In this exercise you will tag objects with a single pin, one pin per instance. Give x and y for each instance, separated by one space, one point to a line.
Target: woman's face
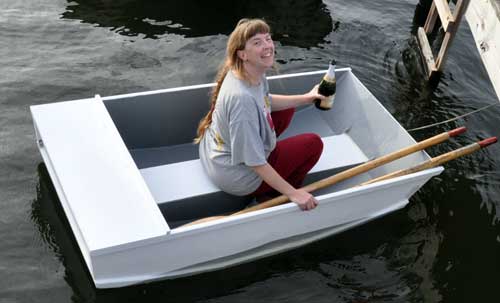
259 51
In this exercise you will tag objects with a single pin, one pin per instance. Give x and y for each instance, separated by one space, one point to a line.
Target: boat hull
137 249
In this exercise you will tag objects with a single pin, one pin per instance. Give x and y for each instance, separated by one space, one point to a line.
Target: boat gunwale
200 86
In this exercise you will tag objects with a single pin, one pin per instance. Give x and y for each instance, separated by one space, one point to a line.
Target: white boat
129 178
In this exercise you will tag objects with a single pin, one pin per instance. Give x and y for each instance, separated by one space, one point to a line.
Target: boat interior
158 129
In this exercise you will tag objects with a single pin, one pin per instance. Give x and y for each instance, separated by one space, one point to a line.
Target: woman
237 137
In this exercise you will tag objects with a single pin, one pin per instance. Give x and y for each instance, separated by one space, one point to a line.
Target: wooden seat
187 179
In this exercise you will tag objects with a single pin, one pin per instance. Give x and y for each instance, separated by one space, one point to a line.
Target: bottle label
328 102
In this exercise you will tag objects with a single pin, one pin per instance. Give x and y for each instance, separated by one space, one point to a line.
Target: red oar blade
457 131
487 142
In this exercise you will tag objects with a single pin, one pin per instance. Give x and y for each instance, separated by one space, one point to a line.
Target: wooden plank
484 21
430 22
443 9
460 9
426 52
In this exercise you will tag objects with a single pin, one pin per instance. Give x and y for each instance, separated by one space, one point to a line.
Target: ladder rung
444 12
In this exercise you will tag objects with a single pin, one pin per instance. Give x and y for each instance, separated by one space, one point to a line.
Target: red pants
293 157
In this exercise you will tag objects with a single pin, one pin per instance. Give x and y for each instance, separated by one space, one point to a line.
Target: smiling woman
237 137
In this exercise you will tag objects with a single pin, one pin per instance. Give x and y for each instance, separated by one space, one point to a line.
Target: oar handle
361 168
436 161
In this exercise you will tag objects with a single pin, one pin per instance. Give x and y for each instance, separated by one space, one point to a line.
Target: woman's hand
281 102
313 94
303 199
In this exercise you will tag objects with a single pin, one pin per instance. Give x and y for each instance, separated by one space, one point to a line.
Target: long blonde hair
245 29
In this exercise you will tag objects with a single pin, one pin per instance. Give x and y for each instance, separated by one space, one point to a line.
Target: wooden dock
483 17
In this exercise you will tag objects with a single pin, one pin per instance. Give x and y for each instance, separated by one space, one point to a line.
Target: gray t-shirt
241 135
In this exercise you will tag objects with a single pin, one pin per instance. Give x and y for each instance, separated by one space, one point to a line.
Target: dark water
444 247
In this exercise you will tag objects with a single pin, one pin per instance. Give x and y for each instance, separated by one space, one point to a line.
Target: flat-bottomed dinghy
129 179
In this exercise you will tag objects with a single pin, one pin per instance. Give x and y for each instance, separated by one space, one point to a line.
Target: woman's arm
304 200
281 102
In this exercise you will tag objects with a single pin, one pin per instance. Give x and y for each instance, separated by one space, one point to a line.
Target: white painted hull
134 242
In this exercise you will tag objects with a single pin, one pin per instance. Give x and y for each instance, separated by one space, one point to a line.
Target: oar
357 170
436 161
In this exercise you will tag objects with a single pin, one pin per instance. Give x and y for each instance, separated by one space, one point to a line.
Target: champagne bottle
327 88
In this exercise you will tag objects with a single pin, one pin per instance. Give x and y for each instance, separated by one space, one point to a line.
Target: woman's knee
314 141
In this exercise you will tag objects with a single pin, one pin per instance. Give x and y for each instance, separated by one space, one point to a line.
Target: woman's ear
242 55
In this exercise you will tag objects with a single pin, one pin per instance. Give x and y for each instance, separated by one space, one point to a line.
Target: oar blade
487 142
457 131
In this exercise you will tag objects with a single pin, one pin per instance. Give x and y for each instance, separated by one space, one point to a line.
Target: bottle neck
331 72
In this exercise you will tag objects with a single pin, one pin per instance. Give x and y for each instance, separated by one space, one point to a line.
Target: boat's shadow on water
194 18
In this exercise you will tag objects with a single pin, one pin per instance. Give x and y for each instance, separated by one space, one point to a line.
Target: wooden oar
436 161
357 170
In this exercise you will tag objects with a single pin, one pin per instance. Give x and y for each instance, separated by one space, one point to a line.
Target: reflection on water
196 18
458 252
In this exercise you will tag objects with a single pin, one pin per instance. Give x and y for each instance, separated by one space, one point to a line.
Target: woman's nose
269 44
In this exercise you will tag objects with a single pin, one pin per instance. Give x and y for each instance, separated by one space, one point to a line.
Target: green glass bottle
327 87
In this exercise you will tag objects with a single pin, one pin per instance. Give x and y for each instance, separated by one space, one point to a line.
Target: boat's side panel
100 184
371 126
170 117
229 241
165 118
